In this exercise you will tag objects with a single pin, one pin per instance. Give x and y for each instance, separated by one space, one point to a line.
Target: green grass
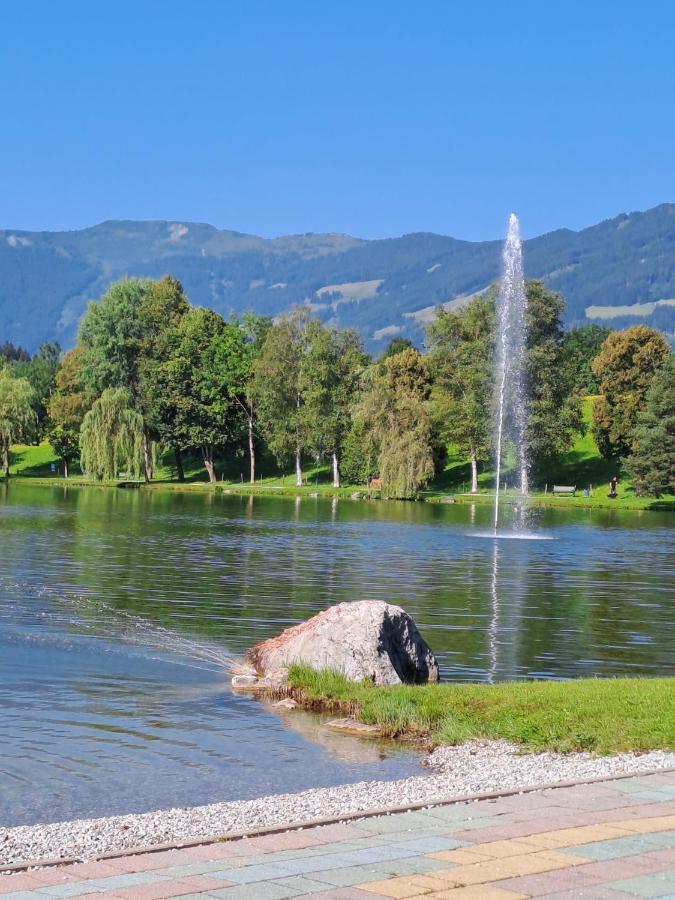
33 460
602 715
581 466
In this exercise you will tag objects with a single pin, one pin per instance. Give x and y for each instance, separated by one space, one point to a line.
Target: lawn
602 715
582 466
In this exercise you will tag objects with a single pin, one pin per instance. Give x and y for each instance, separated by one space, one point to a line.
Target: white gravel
471 768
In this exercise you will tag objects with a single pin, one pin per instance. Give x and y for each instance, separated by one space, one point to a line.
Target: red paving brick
145 862
225 850
86 871
23 881
287 840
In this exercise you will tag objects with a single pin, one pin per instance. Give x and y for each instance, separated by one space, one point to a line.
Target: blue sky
373 117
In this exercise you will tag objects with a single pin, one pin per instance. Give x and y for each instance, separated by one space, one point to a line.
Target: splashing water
511 388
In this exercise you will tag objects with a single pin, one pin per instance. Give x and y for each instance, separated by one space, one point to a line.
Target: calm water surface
119 610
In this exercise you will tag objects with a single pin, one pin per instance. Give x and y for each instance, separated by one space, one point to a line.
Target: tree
160 312
652 461
276 389
359 454
40 372
396 345
11 353
17 414
66 445
200 382
396 410
122 337
554 405
111 437
624 368
255 329
460 360
68 404
328 382
581 346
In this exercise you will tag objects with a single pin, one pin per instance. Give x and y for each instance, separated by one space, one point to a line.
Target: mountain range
619 271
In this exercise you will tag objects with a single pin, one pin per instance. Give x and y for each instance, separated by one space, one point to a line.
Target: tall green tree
160 312
554 403
200 384
255 329
461 350
624 368
40 372
581 346
396 410
652 461
111 437
328 383
17 414
68 404
276 388
122 337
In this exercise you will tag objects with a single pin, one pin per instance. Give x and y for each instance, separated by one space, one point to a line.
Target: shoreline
457 774
360 494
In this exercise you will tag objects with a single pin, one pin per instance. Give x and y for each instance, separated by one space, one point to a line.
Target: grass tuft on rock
608 715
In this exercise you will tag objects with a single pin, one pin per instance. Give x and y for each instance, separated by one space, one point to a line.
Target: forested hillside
620 271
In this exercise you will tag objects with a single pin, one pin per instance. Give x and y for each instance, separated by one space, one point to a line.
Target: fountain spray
511 381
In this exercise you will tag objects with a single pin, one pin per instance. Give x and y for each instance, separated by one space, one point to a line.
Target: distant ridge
381 287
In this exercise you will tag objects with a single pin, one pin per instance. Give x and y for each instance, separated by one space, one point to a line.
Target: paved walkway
610 840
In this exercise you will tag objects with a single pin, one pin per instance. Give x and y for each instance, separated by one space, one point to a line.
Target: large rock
366 639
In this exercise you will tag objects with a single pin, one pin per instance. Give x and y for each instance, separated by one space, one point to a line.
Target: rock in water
365 639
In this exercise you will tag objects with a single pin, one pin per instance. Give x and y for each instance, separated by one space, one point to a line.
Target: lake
120 609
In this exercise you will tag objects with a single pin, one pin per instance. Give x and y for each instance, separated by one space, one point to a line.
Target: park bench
565 489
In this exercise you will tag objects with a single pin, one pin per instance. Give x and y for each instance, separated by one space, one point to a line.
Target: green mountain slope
381 287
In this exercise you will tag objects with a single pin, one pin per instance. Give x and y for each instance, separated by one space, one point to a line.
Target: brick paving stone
289 840
345 894
352 875
593 893
338 832
12 884
399 888
86 871
224 850
262 872
643 826
548 882
159 890
483 892
147 861
266 890
659 884
302 884
623 846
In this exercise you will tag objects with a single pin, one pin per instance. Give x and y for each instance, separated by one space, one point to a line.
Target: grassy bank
602 715
582 466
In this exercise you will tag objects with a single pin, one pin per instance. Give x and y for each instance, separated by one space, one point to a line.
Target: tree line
152 374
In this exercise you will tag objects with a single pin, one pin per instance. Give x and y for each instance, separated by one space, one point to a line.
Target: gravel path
452 772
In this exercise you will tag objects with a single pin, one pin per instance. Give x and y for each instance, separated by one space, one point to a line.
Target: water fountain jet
511 381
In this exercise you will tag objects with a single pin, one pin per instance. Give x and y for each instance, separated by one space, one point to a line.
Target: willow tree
17 414
112 436
395 409
122 339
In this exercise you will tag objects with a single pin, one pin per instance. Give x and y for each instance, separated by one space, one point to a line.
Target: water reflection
118 610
